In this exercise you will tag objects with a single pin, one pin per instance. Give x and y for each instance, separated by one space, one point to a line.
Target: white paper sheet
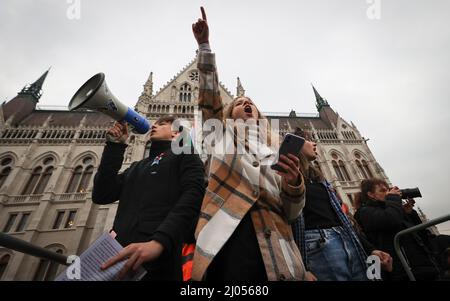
88 267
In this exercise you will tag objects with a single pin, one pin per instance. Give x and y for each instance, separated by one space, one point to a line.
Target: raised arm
107 181
209 101
292 190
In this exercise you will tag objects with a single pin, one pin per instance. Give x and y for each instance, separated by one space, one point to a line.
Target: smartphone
292 144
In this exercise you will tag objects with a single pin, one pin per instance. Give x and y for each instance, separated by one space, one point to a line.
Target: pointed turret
320 101
35 89
240 91
148 87
25 102
326 113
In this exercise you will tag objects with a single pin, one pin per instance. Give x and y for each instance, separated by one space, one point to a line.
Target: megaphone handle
132 128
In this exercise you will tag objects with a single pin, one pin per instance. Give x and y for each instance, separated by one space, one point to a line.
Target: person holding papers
159 201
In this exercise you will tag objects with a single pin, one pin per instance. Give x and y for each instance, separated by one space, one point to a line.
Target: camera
410 193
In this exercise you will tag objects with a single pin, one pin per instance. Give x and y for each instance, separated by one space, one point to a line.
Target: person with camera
159 201
381 216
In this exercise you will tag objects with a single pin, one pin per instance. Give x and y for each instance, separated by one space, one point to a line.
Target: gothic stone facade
48 159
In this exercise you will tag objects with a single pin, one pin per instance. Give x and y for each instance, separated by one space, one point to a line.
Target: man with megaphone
159 200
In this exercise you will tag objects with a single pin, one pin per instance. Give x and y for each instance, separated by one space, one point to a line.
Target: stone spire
240 91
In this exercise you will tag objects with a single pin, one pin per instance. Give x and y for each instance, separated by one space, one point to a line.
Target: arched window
75 179
344 170
85 179
367 169
340 168
43 181
47 269
39 177
361 169
337 170
81 176
34 178
4 260
5 169
4 173
185 93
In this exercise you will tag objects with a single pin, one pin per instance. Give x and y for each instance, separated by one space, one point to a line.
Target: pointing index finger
203 13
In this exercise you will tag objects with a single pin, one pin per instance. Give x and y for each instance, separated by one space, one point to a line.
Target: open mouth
248 109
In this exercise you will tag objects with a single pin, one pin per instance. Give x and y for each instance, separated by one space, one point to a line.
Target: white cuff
204 47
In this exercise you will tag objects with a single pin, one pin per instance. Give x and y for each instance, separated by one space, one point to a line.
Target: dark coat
157 201
381 221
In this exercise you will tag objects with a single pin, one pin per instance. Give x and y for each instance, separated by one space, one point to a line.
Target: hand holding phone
292 144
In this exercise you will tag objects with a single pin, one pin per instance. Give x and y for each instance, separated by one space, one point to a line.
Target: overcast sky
390 76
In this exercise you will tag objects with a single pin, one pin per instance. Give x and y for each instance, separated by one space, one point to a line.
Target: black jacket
381 221
158 200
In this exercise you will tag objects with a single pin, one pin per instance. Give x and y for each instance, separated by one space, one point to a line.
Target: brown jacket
238 182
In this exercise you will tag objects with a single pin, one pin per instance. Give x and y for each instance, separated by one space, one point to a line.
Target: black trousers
240 258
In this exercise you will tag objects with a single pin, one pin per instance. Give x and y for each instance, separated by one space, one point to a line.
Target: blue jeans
331 256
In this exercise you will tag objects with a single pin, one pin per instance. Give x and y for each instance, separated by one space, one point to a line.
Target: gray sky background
389 76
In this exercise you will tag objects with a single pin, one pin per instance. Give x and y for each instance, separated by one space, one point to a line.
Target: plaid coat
237 183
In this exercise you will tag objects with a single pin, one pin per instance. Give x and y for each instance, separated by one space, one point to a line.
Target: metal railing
410 230
23 246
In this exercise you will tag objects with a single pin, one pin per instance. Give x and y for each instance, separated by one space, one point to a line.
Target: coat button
282 277
255 163
267 233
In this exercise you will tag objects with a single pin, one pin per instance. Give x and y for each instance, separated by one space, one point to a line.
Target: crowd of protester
233 218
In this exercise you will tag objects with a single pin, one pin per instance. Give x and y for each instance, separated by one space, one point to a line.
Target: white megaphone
95 95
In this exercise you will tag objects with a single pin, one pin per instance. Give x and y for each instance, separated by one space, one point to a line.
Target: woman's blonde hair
228 112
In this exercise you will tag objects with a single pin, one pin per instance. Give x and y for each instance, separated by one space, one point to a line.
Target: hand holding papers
87 266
